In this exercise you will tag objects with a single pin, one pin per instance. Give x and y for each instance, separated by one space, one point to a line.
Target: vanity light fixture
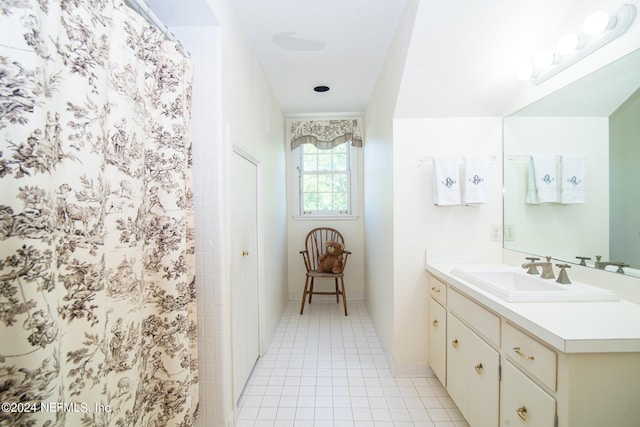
599 29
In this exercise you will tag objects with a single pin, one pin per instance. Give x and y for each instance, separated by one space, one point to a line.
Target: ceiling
304 43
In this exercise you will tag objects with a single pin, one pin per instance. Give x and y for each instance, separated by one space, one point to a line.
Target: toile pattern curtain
97 292
325 134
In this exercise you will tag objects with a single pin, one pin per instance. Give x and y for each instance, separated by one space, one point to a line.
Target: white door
244 271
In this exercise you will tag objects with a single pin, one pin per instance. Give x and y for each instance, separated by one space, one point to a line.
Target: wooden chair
314 247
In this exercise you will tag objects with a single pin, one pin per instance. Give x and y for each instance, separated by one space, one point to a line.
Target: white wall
461 233
232 106
378 188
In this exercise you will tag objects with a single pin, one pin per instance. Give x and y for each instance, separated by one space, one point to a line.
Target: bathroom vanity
541 361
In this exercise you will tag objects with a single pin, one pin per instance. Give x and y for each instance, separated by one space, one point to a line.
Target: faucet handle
533 259
563 277
583 259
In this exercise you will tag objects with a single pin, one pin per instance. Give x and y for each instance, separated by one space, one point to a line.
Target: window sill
326 218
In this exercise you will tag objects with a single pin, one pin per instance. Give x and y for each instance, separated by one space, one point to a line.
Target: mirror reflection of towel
543 182
573 178
446 181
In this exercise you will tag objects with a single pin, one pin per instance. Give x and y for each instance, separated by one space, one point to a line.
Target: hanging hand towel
476 173
543 185
573 178
446 181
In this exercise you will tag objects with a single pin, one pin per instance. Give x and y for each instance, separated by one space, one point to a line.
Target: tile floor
325 369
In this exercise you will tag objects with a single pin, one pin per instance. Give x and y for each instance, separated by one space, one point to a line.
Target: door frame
242 152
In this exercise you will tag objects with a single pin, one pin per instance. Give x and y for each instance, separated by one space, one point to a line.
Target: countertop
569 327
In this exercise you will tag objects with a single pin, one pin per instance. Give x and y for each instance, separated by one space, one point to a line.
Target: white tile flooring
325 369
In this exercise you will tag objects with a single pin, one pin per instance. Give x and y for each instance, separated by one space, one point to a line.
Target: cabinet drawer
438 290
533 356
477 317
523 402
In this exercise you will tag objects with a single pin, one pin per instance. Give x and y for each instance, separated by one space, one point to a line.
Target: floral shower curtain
97 292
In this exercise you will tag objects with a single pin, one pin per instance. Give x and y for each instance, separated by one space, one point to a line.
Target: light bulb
597 22
568 44
544 60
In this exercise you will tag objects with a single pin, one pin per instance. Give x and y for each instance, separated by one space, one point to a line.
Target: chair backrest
315 243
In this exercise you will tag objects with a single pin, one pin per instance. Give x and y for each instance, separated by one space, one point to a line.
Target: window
327 180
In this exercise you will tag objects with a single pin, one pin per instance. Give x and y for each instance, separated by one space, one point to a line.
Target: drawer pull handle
522 413
436 290
479 368
454 343
435 323
521 354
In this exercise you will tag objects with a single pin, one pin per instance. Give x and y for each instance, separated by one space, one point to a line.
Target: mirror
598 119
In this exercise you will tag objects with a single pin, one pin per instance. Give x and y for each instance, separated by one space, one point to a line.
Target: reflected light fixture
599 29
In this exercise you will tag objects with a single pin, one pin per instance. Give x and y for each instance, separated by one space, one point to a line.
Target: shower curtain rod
143 9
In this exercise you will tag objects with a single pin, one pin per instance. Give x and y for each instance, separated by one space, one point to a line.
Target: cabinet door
484 383
457 363
438 340
524 403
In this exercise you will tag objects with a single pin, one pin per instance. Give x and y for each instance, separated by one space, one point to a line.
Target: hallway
325 369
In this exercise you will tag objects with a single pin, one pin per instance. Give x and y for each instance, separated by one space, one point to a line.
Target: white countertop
569 327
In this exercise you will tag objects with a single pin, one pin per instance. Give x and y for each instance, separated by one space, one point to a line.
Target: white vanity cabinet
438 339
502 375
472 363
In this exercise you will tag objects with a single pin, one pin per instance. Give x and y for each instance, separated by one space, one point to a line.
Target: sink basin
513 285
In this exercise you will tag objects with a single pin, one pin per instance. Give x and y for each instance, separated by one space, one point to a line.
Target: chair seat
314 273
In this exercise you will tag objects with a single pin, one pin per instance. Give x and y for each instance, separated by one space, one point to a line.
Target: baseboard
422 370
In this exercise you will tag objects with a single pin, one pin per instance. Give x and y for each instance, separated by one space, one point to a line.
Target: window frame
352 188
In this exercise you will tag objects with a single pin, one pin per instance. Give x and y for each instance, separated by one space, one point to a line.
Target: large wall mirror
597 121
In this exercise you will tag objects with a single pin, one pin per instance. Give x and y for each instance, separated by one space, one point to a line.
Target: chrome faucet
547 267
603 264
563 277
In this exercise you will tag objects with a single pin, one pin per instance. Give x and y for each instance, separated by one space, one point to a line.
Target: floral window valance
325 134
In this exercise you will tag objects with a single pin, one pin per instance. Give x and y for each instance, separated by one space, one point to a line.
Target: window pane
325 201
339 162
340 183
310 183
310 162
324 183
324 161
310 202
340 201
309 149
342 148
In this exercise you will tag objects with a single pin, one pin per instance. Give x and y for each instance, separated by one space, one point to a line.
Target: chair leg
337 292
344 297
304 294
311 290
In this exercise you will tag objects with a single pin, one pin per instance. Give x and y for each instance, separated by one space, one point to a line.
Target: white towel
573 178
476 173
446 181
543 182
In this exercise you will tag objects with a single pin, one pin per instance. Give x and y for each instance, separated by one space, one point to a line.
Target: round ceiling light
321 88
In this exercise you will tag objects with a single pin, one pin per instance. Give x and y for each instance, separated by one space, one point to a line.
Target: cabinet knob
435 323
522 413
436 290
479 368
521 354
454 343
245 253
